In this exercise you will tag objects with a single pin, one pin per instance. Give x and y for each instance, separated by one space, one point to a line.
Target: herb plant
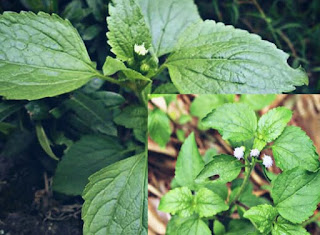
42 55
199 199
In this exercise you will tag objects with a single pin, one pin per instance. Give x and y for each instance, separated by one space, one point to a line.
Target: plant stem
245 182
109 79
311 220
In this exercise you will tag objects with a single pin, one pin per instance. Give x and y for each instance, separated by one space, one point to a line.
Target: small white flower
267 161
140 49
254 153
239 152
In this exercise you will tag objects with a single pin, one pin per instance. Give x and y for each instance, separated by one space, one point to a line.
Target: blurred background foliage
293 25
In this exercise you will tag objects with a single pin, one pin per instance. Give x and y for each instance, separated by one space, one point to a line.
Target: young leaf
167 19
127 28
41 56
187 226
237 122
85 157
178 201
116 199
225 166
282 226
207 203
189 163
228 60
296 194
159 127
272 124
218 228
44 141
294 148
257 102
262 217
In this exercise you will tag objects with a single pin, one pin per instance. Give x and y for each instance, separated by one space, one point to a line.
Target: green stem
245 182
311 220
109 79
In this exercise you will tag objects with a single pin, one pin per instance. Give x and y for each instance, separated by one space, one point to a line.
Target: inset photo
233 164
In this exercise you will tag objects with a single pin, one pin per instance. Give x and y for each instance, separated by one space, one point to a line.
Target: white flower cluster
239 153
140 49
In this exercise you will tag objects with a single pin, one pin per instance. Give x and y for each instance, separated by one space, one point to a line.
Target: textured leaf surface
207 203
262 217
116 199
225 166
127 27
133 116
159 127
84 158
167 19
41 56
284 227
189 163
177 201
237 122
187 226
296 194
294 148
272 124
214 58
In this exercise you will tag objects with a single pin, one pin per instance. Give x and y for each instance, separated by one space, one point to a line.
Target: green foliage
159 127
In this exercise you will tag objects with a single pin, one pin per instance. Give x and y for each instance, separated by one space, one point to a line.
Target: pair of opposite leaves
43 55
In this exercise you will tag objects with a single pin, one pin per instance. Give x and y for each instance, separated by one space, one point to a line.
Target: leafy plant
199 199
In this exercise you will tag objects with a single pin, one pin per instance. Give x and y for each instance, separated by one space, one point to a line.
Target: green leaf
116 199
204 104
189 163
218 228
44 141
127 27
167 20
237 122
166 88
177 201
262 217
282 226
294 148
133 116
225 166
228 60
92 113
7 108
272 124
159 127
296 194
85 157
108 98
187 226
208 203
257 102
240 226
41 56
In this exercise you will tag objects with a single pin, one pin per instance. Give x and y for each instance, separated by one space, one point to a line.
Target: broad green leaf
9 107
159 127
116 199
237 122
262 217
204 104
296 194
133 116
208 203
240 226
108 98
92 114
85 157
41 56
44 141
257 102
167 19
187 226
212 58
272 124
284 227
166 88
294 148
218 228
220 189
178 201
127 27
189 163
225 166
